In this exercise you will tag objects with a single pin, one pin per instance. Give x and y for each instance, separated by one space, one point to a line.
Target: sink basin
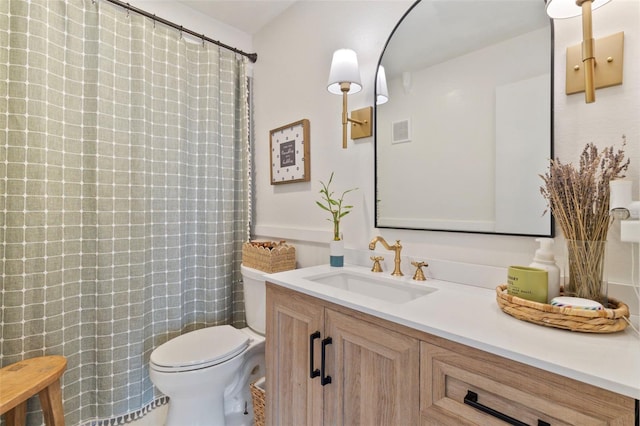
377 287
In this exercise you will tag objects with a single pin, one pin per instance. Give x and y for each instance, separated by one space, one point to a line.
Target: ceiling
248 16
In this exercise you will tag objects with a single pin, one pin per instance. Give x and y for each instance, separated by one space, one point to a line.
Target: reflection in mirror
467 129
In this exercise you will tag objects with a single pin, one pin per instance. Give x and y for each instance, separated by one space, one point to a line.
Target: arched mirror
467 128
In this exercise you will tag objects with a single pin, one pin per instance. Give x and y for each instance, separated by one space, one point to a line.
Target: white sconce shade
344 69
344 79
561 9
382 92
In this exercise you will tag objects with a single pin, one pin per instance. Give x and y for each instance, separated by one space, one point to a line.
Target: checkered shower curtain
123 195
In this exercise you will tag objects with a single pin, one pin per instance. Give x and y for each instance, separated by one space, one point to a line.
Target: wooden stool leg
16 416
51 402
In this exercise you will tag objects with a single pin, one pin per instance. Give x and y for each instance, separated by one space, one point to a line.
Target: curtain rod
253 57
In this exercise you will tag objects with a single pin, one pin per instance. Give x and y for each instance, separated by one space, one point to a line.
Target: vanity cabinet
325 366
292 397
465 386
331 365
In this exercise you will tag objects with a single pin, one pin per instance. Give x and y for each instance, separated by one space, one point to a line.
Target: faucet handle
376 263
419 275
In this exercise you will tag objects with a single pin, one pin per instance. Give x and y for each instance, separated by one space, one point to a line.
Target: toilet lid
199 349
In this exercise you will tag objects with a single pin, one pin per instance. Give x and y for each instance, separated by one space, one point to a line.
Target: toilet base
239 419
231 419
195 412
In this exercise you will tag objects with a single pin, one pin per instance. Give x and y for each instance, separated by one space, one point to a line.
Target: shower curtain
124 196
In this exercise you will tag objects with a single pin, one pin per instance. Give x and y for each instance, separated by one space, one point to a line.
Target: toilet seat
199 349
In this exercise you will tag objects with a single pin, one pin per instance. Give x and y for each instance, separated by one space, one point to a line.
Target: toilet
206 373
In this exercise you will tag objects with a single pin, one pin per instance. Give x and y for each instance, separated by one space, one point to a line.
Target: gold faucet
419 275
396 248
376 263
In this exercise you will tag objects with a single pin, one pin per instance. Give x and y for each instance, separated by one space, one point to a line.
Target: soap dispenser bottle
544 259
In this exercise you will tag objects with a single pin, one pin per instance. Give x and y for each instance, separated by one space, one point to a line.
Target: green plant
334 206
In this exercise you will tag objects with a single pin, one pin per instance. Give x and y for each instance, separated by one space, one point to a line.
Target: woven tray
608 320
258 398
268 256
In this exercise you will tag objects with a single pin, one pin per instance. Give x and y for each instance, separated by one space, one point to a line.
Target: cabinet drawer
520 392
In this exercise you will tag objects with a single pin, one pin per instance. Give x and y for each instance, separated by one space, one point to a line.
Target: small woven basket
608 320
269 257
258 398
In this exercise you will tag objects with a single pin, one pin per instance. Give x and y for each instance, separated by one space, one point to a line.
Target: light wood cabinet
369 371
292 397
464 386
374 374
377 372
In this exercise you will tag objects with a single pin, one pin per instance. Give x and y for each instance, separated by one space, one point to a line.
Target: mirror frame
551 233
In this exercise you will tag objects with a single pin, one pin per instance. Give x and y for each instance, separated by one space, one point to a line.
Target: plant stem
336 227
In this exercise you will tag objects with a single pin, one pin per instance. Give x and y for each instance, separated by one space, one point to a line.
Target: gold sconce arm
361 119
345 118
588 56
593 64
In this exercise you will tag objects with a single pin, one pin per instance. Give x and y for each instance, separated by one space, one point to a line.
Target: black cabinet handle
472 400
324 380
313 372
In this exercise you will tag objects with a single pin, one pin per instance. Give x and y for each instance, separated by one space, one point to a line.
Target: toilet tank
254 298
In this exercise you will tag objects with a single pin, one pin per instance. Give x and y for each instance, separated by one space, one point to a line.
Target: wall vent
401 131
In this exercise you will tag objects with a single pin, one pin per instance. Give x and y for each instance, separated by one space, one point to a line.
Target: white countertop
471 316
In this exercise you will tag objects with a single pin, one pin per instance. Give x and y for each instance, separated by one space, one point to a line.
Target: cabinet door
374 374
292 397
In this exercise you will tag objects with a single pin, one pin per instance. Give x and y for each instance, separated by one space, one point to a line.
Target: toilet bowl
206 373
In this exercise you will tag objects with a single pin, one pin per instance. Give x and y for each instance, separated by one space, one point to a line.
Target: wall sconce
601 59
344 79
382 92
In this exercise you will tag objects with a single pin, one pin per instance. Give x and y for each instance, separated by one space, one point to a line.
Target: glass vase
585 271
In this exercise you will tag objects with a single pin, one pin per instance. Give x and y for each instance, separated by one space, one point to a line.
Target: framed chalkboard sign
290 153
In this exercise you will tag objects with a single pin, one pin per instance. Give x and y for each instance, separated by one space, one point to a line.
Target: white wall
180 14
294 55
290 84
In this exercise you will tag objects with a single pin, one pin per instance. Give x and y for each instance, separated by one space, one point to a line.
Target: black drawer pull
313 372
324 380
472 400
